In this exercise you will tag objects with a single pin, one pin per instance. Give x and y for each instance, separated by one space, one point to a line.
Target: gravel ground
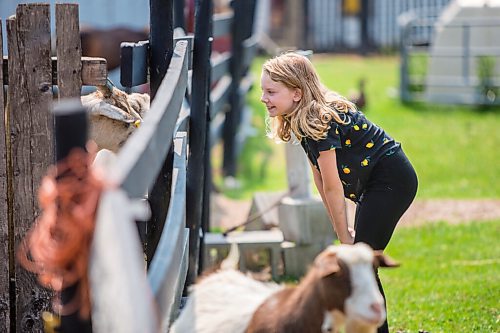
226 212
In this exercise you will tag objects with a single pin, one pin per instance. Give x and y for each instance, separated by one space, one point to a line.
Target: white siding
327 31
98 13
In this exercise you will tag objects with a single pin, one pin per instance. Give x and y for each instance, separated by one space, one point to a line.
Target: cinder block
305 221
299 258
264 211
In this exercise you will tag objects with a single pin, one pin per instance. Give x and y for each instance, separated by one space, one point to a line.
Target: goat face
364 305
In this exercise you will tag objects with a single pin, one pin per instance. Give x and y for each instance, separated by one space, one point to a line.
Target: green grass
449 280
453 148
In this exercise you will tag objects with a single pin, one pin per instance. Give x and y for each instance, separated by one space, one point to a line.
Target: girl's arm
332 194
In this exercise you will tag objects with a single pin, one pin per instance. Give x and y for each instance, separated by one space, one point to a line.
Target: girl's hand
352 232
349 237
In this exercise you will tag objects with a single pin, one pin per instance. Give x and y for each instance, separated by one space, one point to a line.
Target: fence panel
143 154
168 269
4 210
30 93
69 51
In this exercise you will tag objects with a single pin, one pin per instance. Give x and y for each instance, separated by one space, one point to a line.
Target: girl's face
278 98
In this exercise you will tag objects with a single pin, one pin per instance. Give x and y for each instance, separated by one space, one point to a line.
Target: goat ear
327 263
383 260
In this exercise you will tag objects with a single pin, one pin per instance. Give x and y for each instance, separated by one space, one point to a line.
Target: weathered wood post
161 49
70 128
6 253
198 132
30 130
69 51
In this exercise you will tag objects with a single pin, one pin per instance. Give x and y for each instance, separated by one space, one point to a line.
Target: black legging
388 194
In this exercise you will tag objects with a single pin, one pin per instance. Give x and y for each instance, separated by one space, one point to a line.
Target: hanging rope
57 248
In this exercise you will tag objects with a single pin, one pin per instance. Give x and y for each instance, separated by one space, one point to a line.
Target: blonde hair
317 107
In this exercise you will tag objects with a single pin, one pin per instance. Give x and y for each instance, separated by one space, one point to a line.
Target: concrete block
264 211
299 258
305 221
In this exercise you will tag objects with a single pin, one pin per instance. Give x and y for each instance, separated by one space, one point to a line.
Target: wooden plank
222 23
142 156
94 71
258 237
32 145
220 66
121 297
5 258
190 40
69 50
166 275
159 196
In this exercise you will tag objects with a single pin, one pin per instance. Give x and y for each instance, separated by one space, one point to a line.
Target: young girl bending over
349 156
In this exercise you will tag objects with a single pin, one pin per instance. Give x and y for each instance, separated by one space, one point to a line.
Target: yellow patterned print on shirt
366 161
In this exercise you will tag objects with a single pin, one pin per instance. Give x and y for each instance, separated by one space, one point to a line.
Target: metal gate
330 27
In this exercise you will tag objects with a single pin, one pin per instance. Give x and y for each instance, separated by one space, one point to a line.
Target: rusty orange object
57 248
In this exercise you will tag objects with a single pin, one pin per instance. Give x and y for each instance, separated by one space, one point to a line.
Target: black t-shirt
359 145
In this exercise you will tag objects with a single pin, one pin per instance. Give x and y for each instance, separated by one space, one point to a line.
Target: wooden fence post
161 49
70 126
179 19
161 41
30 94
198 132
69 50
5 222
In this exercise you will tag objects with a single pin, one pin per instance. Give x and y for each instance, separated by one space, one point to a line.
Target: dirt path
226 212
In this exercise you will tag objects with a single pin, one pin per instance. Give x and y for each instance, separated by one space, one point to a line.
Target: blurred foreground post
70 133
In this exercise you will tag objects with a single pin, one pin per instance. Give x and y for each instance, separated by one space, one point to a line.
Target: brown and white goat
339 289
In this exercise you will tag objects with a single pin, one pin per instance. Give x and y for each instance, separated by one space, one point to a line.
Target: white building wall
98 13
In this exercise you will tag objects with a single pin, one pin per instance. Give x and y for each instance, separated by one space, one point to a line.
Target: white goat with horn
114 115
